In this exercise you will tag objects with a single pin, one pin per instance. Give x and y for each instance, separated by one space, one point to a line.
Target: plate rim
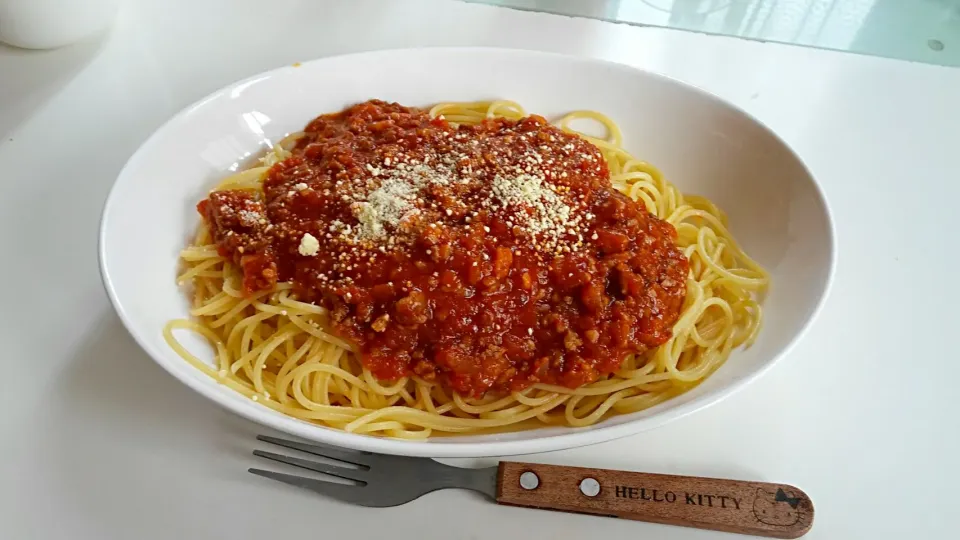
437 447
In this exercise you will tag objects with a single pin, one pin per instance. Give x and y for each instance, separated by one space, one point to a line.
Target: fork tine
333 470
343 492
355 458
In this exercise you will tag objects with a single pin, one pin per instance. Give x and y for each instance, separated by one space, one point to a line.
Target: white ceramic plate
703 145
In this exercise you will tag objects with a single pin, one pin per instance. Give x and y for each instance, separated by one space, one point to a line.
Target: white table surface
99 443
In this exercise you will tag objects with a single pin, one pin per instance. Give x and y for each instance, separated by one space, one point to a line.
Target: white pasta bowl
701 143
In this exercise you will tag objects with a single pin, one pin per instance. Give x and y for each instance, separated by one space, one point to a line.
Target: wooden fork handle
757 508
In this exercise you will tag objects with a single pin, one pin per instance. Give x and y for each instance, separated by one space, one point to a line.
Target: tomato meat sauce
483 257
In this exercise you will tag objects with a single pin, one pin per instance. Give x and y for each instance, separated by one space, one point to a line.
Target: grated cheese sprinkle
309 245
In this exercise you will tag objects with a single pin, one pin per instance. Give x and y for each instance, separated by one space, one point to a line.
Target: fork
756 508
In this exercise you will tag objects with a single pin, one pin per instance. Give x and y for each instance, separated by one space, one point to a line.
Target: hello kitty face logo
777 508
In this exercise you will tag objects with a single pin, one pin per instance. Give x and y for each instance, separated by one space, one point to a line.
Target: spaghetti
277 346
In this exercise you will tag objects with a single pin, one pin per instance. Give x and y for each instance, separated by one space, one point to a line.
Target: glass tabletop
916 30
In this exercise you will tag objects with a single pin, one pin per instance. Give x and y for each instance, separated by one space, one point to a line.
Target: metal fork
395 479
756 508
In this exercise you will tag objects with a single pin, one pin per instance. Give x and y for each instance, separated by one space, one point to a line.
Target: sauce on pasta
481 257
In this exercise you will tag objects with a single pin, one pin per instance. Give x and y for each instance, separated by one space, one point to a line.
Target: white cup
47 24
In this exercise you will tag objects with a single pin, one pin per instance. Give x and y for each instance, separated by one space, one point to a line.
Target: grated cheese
250 218
309 245
394 201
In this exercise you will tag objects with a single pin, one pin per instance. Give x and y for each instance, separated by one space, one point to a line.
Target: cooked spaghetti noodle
280 351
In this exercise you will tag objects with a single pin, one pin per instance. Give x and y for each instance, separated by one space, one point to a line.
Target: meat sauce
487 257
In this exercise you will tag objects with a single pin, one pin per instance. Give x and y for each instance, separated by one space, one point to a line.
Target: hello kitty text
697 499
